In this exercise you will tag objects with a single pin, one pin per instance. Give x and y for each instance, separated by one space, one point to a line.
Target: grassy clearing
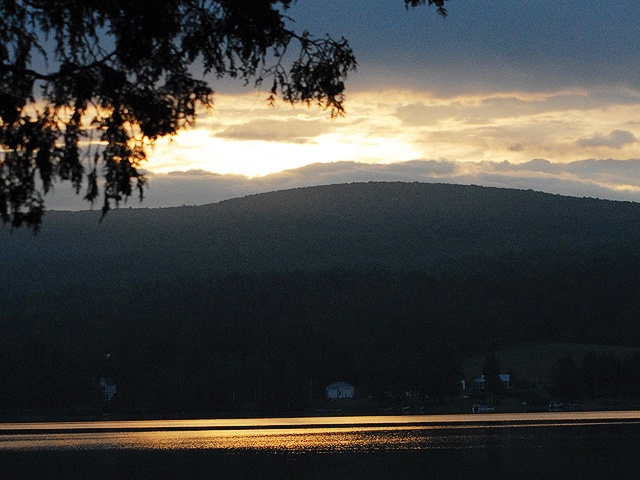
531 364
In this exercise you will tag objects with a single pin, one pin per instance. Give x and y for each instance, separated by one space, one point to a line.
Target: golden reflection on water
289 440
311 422
292 435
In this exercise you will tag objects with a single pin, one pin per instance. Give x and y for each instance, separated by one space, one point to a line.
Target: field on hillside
533 364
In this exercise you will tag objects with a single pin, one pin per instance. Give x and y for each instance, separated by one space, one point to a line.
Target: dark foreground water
516 446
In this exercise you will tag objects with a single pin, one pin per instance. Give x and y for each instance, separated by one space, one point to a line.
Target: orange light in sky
242 135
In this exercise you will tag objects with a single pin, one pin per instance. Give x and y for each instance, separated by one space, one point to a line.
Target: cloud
615 139
419 114
475 109
271 130
243 136
515 147
620 174
598 178
196 172
488 46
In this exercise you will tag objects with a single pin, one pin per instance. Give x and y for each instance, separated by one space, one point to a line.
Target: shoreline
517 419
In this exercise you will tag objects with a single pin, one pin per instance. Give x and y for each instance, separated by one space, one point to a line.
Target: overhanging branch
66 70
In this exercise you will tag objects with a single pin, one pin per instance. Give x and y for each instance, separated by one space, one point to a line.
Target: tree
491 372
565 379
86 87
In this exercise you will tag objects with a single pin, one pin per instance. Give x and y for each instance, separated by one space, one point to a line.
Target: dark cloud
485 46
605 172
419 115
515 147
537 165
483 110
615 139
624 172
292 131
188 173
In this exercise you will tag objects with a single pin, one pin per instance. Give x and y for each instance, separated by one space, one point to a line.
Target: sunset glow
509 95
244 136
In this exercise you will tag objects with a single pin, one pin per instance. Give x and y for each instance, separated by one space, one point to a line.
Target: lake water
580 445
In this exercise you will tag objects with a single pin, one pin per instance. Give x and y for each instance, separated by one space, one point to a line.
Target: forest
267 337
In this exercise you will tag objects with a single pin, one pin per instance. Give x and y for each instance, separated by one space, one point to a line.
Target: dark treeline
269 342
595 376
390 226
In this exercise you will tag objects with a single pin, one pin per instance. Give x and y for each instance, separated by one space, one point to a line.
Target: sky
529 94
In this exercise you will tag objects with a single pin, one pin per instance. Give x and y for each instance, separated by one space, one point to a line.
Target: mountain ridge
393 225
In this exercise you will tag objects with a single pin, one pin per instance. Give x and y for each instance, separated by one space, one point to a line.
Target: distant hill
398 226
255 304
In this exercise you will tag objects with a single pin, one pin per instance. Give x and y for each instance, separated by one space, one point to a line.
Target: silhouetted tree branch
86 87
438 3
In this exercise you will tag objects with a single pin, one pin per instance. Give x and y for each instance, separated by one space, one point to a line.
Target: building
340 390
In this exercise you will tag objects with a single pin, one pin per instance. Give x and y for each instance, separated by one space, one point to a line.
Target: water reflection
310 422
496 447
312 434
297 440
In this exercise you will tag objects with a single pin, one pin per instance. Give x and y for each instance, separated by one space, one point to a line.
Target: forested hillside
396 226
257 303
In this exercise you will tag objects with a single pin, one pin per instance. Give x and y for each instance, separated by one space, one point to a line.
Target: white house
340 390
109 388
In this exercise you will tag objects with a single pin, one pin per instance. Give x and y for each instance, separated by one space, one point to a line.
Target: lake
578 445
